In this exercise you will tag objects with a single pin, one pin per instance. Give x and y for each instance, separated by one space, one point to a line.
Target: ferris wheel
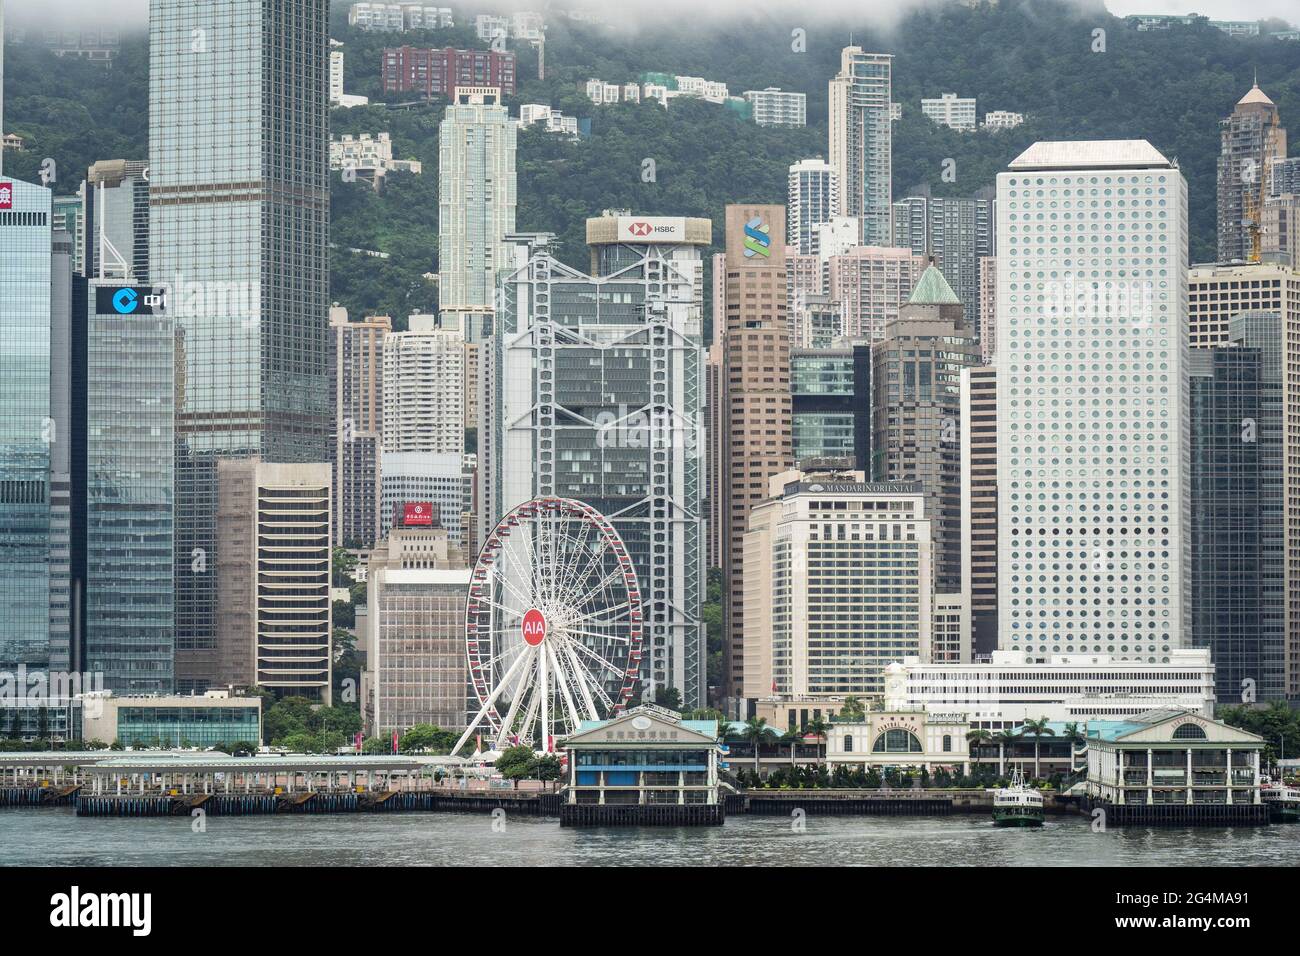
553 624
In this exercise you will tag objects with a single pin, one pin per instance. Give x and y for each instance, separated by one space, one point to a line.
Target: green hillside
1031 56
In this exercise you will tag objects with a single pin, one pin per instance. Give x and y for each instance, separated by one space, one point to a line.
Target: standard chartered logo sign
757 240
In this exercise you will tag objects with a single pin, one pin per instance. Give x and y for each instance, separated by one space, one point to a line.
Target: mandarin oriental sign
855 488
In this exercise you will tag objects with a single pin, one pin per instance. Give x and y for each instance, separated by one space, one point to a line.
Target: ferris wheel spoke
579 672
598 635
574 567
595 658
524 576
617 611
562 682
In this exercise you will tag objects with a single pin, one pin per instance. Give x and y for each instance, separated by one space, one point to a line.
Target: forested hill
1039 57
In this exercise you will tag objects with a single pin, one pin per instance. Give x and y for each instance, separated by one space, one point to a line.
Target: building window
896 742
1189 732
947 743
848 743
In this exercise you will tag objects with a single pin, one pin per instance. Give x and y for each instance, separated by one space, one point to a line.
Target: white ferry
1017 805
1282 800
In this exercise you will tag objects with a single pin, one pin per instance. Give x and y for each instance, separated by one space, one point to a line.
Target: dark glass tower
1238 583
238 226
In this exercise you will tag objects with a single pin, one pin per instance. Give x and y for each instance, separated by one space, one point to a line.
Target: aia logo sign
534 627
6 195
640 229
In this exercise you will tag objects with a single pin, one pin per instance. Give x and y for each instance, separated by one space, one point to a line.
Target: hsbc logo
640 229
6 195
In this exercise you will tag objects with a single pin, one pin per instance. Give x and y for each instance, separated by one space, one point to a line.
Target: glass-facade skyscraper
1238 569
27 428
861 140
830 393
597 385
239 229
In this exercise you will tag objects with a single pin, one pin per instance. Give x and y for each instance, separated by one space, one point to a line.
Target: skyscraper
476 198
239 227
814 198
423 422
28 430
916 411
618 422
1251 139
868 284
830 395
861 140
358 349
979 503
1238 570
953 233
756 398
116 220
1092 406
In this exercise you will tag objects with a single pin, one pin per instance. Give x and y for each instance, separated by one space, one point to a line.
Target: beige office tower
274 614
988 308
916 410
1281 241
979 503
358 426
869 283
756 394
837 585
1252 138
473 357
1216 293
417 585
715 421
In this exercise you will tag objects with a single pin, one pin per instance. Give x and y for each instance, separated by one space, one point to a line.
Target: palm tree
821 730
976 738
1005 738
1074 736
792 737
756 732
1037 729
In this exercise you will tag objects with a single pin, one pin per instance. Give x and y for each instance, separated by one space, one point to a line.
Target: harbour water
48 836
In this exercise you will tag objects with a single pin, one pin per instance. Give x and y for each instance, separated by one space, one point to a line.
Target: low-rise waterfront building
899 739
171 720
1170 756
646 756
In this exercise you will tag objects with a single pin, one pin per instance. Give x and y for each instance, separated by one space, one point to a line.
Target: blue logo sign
125 301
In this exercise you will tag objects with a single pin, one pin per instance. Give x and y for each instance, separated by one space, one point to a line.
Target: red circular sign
534 627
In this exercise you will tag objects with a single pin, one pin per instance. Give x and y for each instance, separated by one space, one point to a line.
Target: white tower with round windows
1091 369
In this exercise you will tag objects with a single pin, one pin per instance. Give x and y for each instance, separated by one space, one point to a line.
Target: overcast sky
135 12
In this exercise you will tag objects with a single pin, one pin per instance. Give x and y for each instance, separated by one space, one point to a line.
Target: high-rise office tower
869 283
814 198
274 613
416 589
713 428
1092 401
837 584
1238 569
1218 294
916 411
115 225
979 501
358 349
239 231
861 140
1251 138
423 422
28 429
618 421
953 233
830 396
1280 240
756 397
476 198
126 485
988 268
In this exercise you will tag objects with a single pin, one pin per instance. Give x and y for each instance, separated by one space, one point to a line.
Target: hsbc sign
651 229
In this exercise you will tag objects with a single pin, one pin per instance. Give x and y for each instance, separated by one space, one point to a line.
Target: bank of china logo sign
757 240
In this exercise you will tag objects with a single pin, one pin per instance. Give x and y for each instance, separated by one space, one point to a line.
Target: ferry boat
1283 802
1017 805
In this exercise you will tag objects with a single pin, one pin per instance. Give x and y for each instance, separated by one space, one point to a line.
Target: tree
517 763
853 709
548 767
669 697
1038 729
1005 738
1074 736
977 737
755 731
342 566
821 730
